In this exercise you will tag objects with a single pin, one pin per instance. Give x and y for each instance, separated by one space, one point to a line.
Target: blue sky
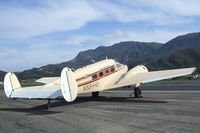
39 32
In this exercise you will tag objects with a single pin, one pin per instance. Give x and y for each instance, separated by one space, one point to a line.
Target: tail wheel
95 94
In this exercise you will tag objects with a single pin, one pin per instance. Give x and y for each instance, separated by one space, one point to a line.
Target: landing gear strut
95 94
48 104
137 92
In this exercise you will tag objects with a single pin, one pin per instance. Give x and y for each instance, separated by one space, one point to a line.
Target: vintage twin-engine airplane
99 76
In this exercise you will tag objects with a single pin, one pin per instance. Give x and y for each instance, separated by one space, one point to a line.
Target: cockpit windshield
119 65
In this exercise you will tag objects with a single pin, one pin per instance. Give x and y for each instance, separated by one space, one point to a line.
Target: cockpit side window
118 65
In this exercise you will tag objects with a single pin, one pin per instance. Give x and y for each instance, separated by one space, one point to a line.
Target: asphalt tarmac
114 111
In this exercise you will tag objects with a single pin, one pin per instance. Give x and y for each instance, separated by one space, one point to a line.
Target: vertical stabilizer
69 85
10 83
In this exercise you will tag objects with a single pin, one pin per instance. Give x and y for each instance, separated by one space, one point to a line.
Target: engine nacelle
134 71
137 69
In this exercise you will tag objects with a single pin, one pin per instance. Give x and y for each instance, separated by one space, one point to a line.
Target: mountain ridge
181 51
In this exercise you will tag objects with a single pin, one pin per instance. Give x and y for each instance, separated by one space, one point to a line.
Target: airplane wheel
48 104
137 92
95 94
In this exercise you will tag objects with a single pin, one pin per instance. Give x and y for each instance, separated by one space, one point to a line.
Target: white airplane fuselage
99 76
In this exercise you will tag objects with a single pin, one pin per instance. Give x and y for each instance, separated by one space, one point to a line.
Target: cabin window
101 74
107 71
94 76
118 65
104 72
112 69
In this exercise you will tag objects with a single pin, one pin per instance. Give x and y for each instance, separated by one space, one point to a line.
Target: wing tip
194 69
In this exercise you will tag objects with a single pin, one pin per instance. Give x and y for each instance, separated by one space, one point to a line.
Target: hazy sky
39 32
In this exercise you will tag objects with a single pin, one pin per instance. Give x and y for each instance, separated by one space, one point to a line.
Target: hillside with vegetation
2 73
182 51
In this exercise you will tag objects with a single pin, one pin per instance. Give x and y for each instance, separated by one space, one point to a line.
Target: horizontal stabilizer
47 80
13 89
37 92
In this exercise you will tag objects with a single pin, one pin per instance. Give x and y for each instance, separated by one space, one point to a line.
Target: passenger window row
103 72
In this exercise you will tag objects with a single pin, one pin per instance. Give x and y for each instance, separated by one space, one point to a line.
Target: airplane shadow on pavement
40 110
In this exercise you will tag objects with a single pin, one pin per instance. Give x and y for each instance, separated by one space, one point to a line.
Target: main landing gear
137 92
95 94
48 104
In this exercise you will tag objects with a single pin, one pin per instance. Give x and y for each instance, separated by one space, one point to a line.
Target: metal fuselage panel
105 82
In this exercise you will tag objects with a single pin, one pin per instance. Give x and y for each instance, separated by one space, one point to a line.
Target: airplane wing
146 77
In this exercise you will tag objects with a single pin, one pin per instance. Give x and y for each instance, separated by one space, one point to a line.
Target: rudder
69 85
10 84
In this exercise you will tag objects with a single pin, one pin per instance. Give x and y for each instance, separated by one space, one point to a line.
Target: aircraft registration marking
91 86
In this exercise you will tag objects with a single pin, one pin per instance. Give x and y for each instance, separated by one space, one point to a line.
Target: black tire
48 104
95 94
137 92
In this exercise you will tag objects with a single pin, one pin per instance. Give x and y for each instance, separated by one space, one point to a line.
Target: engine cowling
137 69
134 71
